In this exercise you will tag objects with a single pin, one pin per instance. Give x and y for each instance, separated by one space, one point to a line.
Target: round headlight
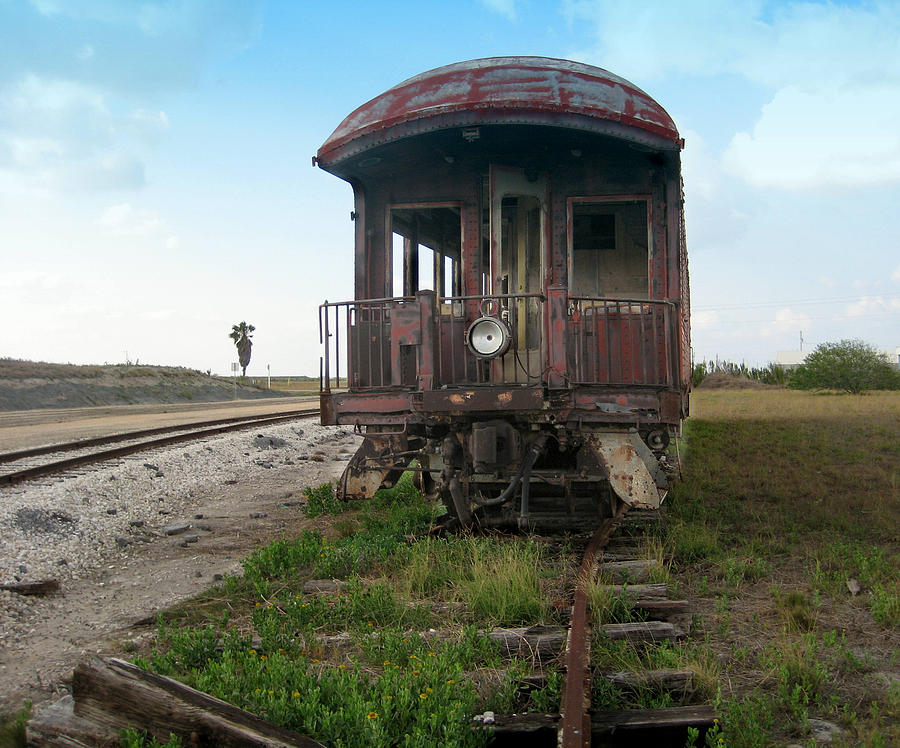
488 337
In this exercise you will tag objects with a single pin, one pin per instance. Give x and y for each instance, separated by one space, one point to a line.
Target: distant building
792 359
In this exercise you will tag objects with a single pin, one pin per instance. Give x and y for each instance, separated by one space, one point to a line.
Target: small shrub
737 570
133 738
795 610
884 602
322 500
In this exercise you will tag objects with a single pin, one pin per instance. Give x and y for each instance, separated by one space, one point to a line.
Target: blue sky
156 184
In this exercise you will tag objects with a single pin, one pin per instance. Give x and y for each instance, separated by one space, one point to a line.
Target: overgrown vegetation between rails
354 668
785 528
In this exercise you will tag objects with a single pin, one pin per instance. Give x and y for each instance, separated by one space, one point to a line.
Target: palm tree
241 335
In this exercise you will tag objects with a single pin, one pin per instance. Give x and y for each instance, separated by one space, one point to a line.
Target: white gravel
69 528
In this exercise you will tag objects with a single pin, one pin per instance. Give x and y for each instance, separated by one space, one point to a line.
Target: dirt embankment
29 385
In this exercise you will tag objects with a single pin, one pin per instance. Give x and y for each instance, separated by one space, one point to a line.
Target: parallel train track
28 464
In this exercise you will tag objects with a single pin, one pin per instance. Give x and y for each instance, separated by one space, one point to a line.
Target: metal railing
621 341
419 342
522 363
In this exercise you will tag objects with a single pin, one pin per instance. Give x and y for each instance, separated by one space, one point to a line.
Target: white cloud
503 7
125 220
822 139
800 41
700 168
704 320
896 275
29 280
833 72
868 306
60 135
786 321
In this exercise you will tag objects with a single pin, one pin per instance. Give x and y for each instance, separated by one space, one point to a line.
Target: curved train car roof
504 90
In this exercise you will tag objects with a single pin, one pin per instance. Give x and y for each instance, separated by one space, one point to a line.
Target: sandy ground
22 429
100 613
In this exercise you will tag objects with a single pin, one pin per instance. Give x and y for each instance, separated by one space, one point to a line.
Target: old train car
519 332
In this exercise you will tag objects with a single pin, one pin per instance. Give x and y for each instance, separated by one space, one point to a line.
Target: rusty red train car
519 333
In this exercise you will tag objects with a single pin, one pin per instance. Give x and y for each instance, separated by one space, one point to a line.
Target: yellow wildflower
423 696
429 690
372 715
296 694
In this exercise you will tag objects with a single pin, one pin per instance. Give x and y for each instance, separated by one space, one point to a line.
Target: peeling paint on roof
506 87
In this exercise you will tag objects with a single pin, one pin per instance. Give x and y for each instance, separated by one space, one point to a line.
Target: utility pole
801 341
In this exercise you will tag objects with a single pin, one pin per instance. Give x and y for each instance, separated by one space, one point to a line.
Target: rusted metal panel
377 463
536 90
486 399
370 402
630 467
557 322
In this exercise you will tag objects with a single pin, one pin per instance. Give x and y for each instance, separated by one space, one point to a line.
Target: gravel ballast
84 529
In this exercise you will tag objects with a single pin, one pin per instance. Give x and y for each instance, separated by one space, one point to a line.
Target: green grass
12 727
787 497
348 668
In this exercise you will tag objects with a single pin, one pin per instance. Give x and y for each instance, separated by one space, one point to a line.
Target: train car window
426 246
609 249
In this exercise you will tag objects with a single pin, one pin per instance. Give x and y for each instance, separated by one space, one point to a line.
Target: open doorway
518 226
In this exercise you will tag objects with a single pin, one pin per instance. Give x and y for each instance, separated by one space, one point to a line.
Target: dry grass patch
789 503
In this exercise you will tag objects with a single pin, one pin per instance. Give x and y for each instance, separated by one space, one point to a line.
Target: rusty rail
575 719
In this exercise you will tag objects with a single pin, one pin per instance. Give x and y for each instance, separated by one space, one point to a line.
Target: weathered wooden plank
675 681
536 642
655 591
509 729
642 631
116 694
695 715
56 726
43 587
679 612
630 572
320 586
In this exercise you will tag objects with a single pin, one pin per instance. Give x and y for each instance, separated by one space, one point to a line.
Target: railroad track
579 724
28 464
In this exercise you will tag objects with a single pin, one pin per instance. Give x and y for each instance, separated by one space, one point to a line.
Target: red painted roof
497 90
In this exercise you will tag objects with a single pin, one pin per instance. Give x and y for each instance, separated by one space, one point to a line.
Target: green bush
322 500
849 366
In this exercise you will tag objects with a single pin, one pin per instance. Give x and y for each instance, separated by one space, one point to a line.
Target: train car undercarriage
498 472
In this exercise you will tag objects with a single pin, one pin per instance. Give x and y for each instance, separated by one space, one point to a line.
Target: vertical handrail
327 349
